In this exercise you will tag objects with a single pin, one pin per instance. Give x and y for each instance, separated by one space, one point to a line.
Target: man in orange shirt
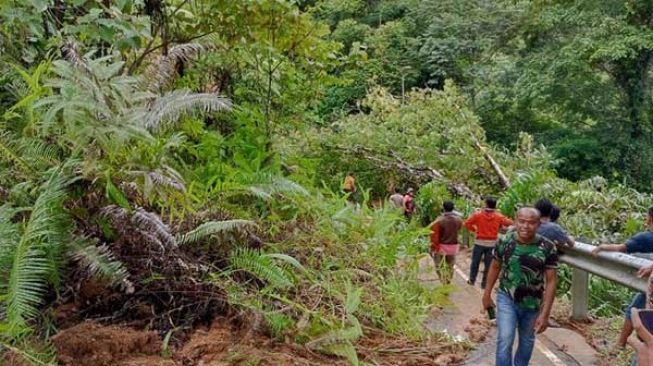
349 187
444 241
486 224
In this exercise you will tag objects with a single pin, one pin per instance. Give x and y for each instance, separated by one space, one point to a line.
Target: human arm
492 277
609 248
550 281
470 223
505 221
435 236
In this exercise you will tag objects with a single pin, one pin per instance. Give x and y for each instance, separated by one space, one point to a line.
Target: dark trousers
478 253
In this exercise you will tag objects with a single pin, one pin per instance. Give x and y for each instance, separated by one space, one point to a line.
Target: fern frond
72 54
214 227
100 263
114 212
34 256
167 109
288 259
162 72
345 350
42 357
353 299
265 186
10 152
148 221
148 224
260 265
9 236
339 342
166 181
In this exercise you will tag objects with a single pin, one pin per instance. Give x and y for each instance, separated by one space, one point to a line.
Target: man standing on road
550 229
525 264
639 243
485 224
444 241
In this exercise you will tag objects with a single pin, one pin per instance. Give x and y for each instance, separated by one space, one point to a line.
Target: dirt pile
224 344
89 343
93 344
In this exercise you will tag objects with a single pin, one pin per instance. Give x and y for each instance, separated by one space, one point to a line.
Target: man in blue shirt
638 243
550 229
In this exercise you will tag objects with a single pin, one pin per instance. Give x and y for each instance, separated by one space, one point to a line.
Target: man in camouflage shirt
525 264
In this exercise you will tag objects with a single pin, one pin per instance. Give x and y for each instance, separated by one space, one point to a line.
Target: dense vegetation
188 154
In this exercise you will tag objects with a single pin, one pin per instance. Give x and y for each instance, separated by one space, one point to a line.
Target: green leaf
115 195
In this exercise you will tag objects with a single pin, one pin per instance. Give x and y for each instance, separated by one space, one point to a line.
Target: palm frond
215 227
260 265
167 109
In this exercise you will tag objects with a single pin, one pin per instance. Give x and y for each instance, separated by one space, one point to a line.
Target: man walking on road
525 264
485 224
444 241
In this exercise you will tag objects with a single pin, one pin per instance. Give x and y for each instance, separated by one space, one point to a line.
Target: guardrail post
579 294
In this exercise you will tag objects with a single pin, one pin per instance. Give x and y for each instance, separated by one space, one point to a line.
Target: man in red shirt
444 241
486 224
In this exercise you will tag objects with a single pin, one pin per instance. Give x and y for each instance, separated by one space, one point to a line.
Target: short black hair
650 211
544 206
555 213
447 206
490 202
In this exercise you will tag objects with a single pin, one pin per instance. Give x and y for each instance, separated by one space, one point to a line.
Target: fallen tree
390 160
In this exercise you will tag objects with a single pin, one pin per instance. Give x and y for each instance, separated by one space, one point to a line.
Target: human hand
596 250
541 323
645 271
487 301
644 347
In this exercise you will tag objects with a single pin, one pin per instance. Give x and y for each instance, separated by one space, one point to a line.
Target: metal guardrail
618 267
